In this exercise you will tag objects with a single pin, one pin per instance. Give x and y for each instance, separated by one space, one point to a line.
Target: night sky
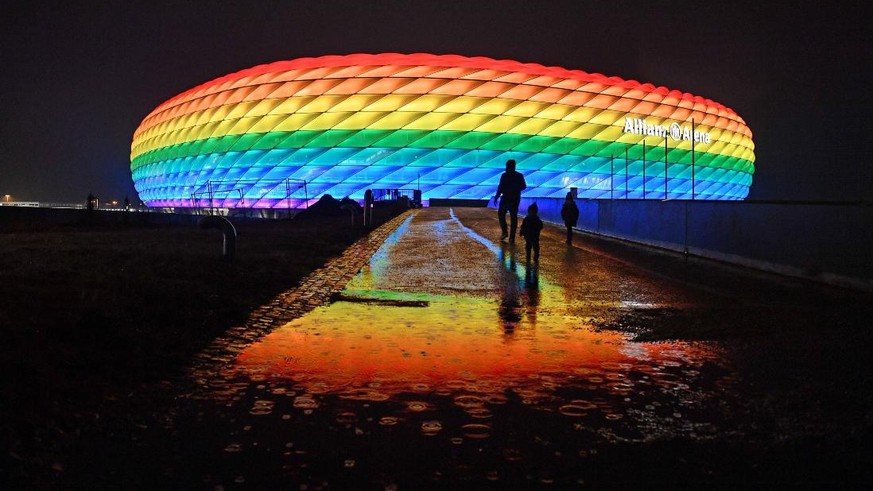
78 77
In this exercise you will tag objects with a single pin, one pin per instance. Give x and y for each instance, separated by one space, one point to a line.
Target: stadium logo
675 131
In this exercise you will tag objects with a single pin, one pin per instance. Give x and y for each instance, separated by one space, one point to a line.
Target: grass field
90 313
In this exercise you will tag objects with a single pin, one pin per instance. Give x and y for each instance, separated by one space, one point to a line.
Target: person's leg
513 220
536 248
501 217
569 234
527 246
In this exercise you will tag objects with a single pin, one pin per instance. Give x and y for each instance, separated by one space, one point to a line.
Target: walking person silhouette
530 230
570 215
509 192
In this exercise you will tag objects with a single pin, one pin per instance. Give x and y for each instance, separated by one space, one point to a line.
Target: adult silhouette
509 193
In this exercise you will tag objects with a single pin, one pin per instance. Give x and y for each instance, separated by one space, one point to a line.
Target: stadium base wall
825 242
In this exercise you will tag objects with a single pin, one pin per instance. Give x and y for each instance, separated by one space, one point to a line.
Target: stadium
284 134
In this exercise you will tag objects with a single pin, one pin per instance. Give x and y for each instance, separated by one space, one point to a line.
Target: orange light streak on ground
350 346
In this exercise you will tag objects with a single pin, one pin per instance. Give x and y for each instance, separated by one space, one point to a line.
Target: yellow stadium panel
391 102
426 103
292 105
461 104
394 121
241 109
354 102
501 124
607 118
320 104
494 106
582 114
559 129
208 130
243 125
295 122
267 123
467 122
554 111
377 120
588 131
430 121
263 107
325 121
525 109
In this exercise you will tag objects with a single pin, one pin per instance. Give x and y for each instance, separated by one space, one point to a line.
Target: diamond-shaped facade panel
276 135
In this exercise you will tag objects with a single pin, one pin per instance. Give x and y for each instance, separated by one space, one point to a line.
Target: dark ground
96 311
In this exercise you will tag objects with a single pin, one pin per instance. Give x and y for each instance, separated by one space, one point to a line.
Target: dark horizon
80 78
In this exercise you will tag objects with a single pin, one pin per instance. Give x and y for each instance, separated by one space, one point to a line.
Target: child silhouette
530 230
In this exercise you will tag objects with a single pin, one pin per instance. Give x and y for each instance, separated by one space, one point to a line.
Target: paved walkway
314 290
432 353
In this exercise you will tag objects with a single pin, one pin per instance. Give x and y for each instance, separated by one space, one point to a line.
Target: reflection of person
510 187
570 215
531 294
530 230
509 310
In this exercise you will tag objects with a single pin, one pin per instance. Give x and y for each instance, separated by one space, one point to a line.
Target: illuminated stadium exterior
277 135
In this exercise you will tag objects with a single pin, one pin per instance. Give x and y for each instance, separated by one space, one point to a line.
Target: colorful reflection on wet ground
450 359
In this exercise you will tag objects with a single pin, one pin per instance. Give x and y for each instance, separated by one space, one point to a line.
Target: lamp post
644 169
612 177
666 151
693 129
626 172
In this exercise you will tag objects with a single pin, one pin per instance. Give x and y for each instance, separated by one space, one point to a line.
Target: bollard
368 208
228 232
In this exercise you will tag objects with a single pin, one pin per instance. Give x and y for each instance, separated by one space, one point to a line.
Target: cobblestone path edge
313 291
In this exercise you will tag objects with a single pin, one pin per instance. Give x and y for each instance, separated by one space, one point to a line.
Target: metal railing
224 189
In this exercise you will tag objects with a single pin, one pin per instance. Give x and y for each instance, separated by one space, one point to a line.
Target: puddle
396 374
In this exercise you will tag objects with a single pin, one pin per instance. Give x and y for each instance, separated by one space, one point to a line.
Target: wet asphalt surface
451 361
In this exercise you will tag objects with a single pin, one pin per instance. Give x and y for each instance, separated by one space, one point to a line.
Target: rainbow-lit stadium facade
280 134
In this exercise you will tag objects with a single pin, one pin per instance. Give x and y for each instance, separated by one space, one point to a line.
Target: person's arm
499 188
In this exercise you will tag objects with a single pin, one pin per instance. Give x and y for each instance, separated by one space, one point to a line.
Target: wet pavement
434 355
